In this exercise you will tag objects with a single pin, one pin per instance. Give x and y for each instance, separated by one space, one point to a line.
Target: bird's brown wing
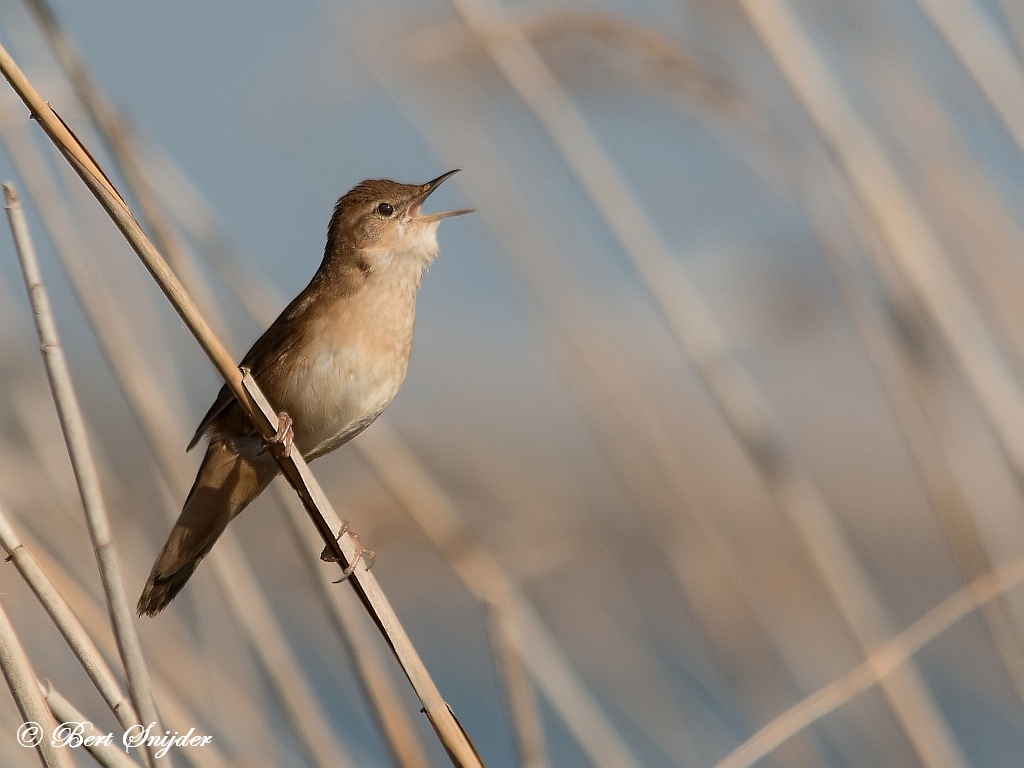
267 352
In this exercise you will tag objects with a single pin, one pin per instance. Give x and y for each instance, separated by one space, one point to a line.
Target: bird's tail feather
226 483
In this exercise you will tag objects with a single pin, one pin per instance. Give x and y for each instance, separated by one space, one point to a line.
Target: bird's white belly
340 394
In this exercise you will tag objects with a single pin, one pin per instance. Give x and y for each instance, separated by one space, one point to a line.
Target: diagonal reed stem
882 662
78 640
107 755
986 57
24 688
251 400
72 423
398 730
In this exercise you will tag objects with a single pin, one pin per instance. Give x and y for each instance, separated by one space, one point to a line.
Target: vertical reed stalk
522 704
73 425
909 243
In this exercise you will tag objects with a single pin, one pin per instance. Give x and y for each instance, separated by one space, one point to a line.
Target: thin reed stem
388 709
73 424
909 244
435 513
523 707
255 405
881 663
107 755
21 680
78 640
985 55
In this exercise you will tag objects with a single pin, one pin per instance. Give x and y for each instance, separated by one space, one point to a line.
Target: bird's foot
284 438
362 553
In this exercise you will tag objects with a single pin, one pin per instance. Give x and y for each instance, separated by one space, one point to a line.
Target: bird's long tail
226 483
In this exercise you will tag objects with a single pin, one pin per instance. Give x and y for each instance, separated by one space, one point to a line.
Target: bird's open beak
428 188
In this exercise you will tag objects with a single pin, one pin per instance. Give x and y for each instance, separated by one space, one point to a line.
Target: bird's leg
284 437
362 553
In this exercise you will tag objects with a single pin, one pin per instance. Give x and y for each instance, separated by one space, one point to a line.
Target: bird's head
382 220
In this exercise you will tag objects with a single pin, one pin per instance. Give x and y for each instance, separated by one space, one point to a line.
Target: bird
331 362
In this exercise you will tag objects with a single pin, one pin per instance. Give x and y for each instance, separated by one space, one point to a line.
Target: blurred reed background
717 395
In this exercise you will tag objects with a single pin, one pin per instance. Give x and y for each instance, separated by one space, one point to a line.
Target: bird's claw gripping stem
362 553
284 438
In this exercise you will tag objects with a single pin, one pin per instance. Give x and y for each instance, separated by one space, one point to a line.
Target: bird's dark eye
386 209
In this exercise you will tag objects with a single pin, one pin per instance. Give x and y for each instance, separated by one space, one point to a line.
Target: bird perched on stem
331 363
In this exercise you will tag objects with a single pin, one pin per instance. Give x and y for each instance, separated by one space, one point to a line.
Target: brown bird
331 363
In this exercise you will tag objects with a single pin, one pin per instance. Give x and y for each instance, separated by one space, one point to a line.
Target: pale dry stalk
523 707
435 513
681 307
264 418
909 244
21 680
73 424
172 664
882 662
78 640
985 55
107 755
389 710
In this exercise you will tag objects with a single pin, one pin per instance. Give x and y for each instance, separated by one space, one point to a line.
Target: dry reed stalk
664 62
523 707
164 434
70 627
107 755
435 513
73 425
967 204
985 55
909 243
791 486
171 663
25 689
114 129
1013 12
881 663
398 730
116 340
253 613
252 401
919 415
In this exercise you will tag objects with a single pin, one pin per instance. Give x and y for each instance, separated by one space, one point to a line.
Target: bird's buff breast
348 373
